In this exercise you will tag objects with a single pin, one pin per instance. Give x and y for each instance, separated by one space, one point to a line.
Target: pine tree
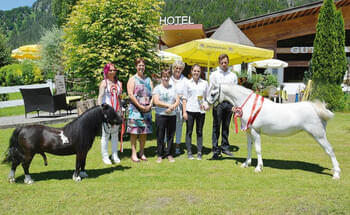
326 66
340 49
4 51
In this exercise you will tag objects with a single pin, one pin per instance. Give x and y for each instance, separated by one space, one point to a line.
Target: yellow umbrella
27 52
205 52
167 57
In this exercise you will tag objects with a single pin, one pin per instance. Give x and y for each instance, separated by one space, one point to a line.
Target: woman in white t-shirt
194 107
166 100
178 81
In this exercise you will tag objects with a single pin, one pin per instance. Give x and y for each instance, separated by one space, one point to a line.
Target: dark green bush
346 102
4 97
332 94
23 73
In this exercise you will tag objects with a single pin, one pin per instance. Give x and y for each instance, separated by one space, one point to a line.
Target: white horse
275 119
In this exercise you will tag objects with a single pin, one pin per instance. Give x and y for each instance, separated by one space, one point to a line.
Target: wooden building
290 33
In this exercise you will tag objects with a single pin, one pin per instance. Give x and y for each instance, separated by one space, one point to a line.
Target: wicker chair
41 99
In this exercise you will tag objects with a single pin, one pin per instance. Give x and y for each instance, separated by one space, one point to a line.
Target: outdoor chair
41 99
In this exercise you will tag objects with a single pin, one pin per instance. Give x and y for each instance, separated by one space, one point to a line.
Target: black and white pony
259 116
76 137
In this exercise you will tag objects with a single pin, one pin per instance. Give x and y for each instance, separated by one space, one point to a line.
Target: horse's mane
90 114
238 88
84 128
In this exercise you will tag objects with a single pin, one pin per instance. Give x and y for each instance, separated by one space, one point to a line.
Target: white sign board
60 85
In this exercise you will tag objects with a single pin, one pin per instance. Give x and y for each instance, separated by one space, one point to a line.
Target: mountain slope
25 25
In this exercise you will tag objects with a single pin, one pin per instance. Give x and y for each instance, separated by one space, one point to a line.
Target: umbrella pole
208 69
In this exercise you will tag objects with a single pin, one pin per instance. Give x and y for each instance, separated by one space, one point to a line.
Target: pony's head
213 94
110 116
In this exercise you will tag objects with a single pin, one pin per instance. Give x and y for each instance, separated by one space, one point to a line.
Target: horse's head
213 94
110 115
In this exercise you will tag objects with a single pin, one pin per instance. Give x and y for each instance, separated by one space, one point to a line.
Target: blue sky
9 4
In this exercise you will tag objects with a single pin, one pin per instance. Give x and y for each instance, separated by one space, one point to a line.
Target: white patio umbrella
269 63
167 57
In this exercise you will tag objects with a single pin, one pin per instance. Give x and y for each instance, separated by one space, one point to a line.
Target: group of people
176 100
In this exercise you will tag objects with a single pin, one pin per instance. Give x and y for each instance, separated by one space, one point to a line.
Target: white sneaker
115 159
106 161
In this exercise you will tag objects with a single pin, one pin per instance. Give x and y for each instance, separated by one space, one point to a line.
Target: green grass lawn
296 180
15 96
13 111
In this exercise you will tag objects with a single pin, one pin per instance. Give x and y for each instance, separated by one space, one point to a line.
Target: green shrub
259 81
23 73
332 94
346 102
4 97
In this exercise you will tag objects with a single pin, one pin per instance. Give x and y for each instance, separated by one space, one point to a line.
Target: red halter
238 112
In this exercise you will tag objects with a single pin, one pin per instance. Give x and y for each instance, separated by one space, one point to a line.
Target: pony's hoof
83 174
258 169
336 176
12 180
244 165
76 178
28 181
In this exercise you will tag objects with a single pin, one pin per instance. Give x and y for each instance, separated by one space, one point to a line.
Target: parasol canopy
205 52
27 52
269 63
167 57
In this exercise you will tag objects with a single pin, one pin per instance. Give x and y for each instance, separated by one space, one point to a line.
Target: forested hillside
213 12
25 25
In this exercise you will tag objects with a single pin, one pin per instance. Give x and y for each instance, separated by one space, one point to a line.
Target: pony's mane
86 125
84 128
94 112
238 88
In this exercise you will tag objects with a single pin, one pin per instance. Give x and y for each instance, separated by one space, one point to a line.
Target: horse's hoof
257 170
336 176
83 174
12 180
244 165
76 179
28 181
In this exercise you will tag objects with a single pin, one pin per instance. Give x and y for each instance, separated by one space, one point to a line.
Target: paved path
32 118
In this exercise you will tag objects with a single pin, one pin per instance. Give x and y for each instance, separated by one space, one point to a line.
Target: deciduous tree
51 61
116 31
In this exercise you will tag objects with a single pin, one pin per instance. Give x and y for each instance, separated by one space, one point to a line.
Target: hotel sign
301 50
175 20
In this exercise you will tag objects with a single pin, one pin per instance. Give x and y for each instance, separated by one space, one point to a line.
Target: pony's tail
14 152
322 111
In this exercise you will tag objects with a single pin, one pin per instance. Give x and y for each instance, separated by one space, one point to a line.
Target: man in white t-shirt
222 113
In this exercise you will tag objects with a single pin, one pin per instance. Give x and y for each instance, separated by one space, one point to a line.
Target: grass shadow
285 165
67 174
150 151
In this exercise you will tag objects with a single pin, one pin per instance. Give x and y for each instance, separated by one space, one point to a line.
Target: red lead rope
239 111
115 104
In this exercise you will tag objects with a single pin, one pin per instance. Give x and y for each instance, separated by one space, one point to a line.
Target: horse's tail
322 111
14 151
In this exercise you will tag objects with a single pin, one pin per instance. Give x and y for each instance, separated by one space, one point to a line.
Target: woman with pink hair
109 93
